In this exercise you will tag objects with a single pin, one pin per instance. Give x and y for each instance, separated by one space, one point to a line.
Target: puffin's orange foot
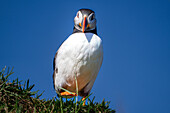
68 94
83 99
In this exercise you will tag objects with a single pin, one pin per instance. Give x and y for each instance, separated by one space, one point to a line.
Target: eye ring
92 17
78 15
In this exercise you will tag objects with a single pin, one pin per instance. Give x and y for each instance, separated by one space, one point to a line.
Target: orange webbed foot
83 99
68 94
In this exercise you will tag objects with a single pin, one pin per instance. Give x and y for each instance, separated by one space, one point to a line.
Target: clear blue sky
135 73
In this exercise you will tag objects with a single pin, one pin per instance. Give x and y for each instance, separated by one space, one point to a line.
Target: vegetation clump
18 97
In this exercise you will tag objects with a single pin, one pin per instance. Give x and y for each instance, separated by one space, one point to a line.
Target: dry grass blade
76 93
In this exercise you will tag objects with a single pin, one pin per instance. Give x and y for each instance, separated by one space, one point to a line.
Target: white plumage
81 55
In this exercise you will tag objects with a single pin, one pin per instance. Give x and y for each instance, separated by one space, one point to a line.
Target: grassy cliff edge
18 97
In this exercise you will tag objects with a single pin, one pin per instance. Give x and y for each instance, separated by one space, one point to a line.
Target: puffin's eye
92 17
78 15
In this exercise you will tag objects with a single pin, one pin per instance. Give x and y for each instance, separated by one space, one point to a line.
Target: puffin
79 58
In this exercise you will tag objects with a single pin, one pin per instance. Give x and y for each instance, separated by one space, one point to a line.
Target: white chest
80 54
81 48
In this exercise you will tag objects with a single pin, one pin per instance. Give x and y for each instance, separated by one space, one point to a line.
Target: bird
80 56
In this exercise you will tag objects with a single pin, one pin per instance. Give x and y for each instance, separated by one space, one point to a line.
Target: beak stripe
80 24
84 23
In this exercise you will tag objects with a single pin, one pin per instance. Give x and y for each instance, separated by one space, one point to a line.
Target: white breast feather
80 54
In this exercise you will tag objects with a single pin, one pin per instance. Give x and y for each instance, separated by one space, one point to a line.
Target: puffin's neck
78 31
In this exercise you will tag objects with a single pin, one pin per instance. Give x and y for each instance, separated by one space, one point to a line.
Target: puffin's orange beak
84 24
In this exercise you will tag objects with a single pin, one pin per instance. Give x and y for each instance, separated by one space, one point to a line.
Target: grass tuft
16 97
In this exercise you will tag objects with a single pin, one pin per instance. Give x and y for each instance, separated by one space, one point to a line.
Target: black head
85 21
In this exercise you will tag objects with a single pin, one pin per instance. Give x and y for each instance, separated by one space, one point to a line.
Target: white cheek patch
89 18
78 19
92 22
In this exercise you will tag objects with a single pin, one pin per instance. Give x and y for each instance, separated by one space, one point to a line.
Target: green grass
16 97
